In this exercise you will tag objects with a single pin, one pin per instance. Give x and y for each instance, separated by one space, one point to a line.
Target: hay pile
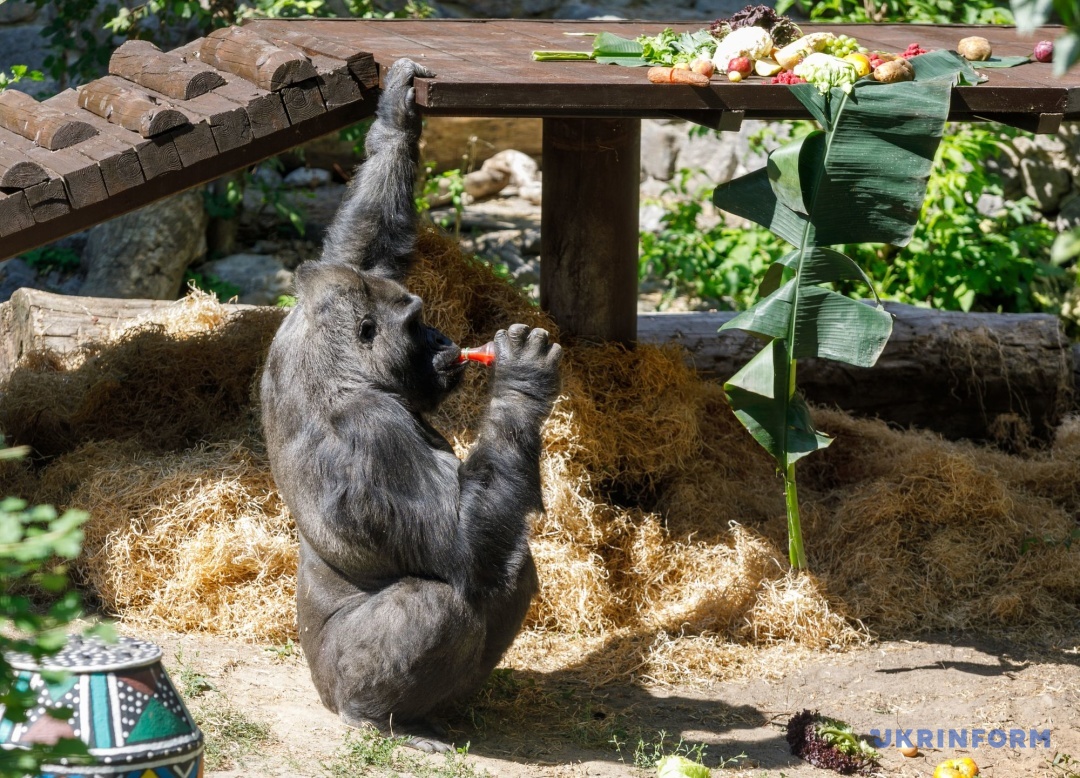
661 554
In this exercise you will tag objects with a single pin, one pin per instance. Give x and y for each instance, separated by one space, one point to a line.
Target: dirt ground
943 684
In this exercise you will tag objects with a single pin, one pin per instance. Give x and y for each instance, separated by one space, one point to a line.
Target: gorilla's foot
427 736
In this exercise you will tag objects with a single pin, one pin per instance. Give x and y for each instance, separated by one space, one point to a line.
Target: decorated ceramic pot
125 709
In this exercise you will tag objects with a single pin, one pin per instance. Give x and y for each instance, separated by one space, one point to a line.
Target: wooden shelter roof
162 122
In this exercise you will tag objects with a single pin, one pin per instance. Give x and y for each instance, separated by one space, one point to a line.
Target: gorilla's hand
398 102
525 362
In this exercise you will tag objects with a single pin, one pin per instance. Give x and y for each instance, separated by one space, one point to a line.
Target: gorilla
415 572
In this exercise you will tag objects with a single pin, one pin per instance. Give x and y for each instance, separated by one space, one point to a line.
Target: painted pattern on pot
124 708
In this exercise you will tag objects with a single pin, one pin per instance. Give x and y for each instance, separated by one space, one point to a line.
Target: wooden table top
484 68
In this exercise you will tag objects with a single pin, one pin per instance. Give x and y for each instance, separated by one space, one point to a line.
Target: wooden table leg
589 226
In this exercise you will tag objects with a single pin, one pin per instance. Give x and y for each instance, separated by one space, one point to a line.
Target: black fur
415 572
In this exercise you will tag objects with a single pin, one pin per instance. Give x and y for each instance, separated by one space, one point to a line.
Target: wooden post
589 226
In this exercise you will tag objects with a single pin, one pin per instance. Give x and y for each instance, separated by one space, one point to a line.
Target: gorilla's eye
367 330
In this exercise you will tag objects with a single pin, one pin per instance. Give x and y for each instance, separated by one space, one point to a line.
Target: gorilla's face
377 333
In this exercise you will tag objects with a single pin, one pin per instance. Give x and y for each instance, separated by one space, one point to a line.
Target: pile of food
757 41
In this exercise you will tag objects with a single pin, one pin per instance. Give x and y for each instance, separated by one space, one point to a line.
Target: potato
975 49
895 71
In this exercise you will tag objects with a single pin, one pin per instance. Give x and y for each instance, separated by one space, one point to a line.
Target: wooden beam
48 200
15 214
146 65
265 110
25 116
157 187
246 54
119 162
17 172
360 63
113 99
589 226
81 175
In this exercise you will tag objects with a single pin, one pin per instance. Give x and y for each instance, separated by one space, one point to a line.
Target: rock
1029 168
489 180
451 142
661 139
1069 215
259 216
24 44
266 176
523 169
308 178
16 274
145 253
16 11
262 279
532 193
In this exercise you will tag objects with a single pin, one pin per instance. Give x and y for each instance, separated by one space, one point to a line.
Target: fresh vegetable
861 63
680 767
1044 51
670 47
909 751
676 76
828 743
895 71
780 28
750 42
974 48
791 55
957 768
826 71
485 354
913 50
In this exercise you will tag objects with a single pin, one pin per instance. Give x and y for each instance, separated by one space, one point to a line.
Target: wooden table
591 113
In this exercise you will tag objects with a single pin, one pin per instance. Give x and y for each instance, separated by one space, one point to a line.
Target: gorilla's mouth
449 361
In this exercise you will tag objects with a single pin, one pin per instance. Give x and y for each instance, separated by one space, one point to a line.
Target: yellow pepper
957 768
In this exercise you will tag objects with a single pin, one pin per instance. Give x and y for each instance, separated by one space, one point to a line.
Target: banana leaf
861 178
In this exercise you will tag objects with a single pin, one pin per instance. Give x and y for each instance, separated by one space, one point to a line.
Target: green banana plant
861 178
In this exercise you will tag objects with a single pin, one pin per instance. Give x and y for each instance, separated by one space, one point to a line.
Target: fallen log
975 375
964 375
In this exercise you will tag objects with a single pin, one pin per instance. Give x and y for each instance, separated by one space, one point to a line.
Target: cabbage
826 71
680 767
752 42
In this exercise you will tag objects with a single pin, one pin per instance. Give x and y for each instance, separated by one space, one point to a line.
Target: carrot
677 76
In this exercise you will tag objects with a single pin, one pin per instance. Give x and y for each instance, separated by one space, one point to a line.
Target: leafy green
862 177
669 47
1002 62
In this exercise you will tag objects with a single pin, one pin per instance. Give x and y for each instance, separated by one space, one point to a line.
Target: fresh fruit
909 751
913 50
681 66
895 71
734 75
1044 51
740 65
841 46
787 77
766 66
878 58
957 768
975 48
703 66
861 63
794 53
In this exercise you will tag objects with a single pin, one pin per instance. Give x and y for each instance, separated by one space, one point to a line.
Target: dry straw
661 553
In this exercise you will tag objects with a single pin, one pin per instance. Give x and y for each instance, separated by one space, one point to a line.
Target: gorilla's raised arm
376 226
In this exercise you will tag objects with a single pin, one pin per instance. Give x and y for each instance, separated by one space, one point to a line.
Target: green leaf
607 44
626 62
1003 62
1030 14
1066 52
783 429
752 197
828 325
947 65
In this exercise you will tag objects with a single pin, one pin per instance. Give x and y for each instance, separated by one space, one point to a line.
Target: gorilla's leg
390 656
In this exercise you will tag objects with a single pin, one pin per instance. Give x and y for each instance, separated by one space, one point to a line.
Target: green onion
561 56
